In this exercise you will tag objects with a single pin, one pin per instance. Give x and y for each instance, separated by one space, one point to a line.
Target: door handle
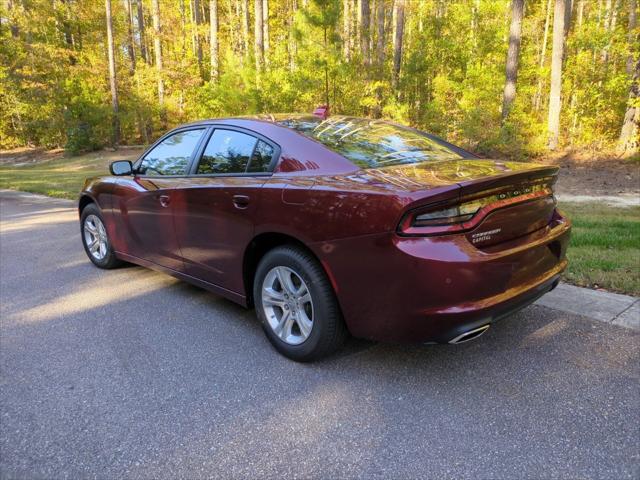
241 201
164 200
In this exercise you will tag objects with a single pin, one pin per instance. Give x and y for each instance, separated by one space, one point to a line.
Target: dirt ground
580 174
592 175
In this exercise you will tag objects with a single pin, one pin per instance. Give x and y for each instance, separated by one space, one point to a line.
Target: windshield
371 143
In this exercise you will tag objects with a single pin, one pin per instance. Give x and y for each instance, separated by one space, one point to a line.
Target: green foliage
54 88
87 119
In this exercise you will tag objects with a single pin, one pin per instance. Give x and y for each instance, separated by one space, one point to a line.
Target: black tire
328 332
109 260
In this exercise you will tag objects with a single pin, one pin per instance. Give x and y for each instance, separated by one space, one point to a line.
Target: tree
112 75
245 26
380 17
195 33
541 59
259 35
631 36
557 56
265 28
346 28
513 56
213 40
130 36
630 133
398 36
157 49
364 31
141 33
54 65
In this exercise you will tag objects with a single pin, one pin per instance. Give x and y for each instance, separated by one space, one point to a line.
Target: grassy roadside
604 251
605 247
62 177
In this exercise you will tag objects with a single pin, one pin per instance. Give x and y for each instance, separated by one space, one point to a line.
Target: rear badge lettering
484 236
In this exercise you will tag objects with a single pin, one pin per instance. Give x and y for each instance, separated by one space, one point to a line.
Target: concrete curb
622 200
623 310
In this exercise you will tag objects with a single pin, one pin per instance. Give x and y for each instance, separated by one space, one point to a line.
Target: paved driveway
132 373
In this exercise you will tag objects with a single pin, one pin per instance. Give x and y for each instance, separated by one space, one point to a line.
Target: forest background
511 78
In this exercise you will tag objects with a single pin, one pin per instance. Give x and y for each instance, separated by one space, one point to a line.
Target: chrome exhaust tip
470 335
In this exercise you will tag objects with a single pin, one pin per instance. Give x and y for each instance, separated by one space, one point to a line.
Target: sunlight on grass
61 178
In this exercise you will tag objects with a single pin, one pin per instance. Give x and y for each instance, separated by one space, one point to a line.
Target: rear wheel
95 238
296 305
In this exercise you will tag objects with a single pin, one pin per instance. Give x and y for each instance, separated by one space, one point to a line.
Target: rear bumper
432 289
497 308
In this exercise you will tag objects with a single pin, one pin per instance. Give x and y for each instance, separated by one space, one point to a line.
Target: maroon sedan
329 226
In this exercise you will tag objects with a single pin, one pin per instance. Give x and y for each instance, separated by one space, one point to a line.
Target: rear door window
262 157
227 151
233 152
172 155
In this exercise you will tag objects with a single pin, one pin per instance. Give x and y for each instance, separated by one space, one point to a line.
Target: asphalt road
130 373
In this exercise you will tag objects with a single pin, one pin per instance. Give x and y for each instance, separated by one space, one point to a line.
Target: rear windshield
371 143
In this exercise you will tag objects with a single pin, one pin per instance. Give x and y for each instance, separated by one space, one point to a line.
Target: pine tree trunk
364 31
543 55
197 45
265 29
157 48
130 38
245 26
580 13
567 19
630 133
398 35
258 33
346 29
357 25
556 73
112 75
292 47
631 36
380 27
141 33
610 18
513 56
213 41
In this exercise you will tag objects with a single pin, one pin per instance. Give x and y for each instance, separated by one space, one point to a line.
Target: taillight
467 211
445 216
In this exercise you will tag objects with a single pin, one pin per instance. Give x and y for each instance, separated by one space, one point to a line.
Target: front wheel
296 305
95 238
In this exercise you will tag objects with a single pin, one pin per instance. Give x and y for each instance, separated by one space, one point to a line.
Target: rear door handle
241 201
164 200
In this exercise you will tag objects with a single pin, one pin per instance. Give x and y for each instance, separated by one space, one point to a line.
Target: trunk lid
511 199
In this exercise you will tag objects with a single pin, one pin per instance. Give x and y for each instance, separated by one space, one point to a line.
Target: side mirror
121 167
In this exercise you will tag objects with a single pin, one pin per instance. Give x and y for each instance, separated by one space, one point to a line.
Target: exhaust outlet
470 335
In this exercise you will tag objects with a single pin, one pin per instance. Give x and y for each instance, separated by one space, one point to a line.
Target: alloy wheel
287 305
95 237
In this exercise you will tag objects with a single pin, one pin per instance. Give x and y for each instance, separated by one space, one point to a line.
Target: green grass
604 250
605 247
62 177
